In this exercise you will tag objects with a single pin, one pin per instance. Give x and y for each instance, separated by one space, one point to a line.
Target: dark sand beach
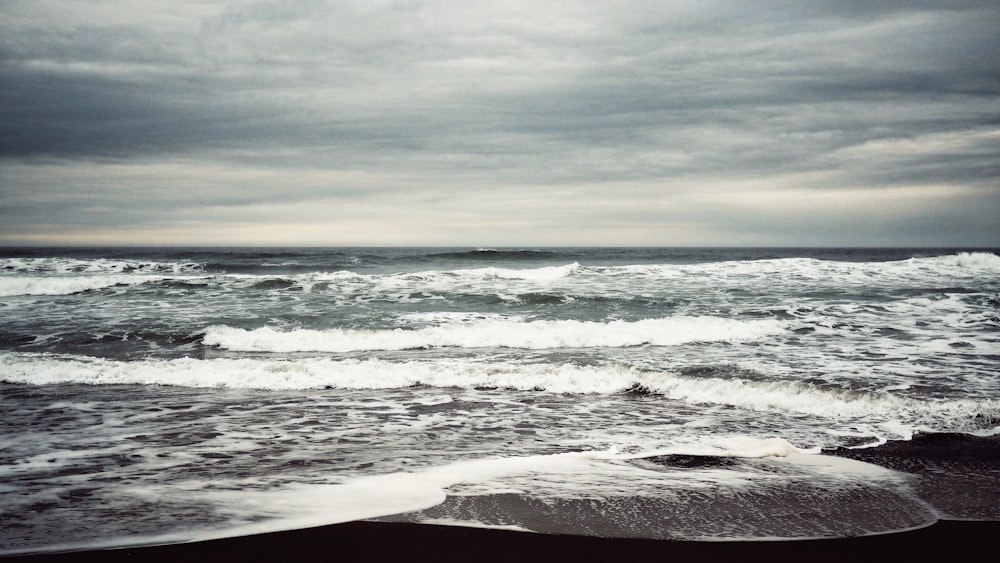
384 541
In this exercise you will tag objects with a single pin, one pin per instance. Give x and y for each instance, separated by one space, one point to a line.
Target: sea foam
66 285
892 411
493 333
56 265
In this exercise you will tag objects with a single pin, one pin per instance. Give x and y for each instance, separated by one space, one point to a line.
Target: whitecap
504 333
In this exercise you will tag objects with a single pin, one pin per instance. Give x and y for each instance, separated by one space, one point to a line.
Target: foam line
887 409
504 333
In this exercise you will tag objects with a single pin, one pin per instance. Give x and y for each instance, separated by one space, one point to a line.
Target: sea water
153 395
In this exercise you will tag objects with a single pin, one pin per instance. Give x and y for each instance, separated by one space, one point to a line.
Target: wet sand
389 541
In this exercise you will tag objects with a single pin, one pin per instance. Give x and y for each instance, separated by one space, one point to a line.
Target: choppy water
682 393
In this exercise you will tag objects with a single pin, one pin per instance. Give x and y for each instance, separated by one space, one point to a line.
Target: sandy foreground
382 541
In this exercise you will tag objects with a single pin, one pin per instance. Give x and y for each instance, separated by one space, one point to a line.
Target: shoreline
369 540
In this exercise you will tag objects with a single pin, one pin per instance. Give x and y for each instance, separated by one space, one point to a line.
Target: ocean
153 395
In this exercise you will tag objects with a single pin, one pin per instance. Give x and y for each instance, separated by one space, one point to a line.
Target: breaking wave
68 285
494 333
373 373
95 266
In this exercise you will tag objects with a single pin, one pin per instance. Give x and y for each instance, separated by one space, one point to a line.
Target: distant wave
960 266
41 285
94 266
64 276
495 254
260 278
450 277
491 333
547 273
286 267
333 261
812 270
970 260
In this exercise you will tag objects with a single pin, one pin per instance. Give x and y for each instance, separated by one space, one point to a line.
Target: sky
500 123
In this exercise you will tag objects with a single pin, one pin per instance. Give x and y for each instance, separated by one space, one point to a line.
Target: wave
63 284
547 273
969 260
495 254
965 415
95 266
66 285
540 274
67 276
934 271
334 260
961 263
963 272
492 333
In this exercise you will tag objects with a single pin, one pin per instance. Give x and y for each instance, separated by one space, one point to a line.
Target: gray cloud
663 113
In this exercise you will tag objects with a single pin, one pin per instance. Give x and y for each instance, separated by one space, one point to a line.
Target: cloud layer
502 123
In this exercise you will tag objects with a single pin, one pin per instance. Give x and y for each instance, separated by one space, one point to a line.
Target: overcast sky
500 123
